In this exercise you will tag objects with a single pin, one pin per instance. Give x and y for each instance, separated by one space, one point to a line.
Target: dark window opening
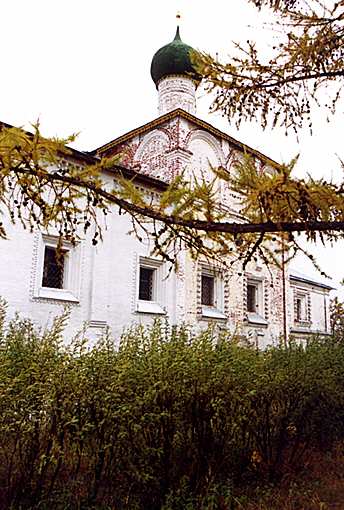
53 268
207 290
298 309
146 284
252 298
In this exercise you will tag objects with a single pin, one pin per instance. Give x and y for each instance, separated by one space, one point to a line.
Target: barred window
146 283
53 268
207 297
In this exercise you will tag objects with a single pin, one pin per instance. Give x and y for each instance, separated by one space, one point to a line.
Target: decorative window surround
211 294
150 287
69 290
302 308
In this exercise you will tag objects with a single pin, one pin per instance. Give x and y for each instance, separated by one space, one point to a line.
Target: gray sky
83 66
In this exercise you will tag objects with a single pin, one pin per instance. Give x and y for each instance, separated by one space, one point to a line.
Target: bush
170 420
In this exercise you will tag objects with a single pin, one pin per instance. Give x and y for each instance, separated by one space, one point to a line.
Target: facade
117 282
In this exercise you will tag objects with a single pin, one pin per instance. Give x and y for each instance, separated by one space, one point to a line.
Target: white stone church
118 282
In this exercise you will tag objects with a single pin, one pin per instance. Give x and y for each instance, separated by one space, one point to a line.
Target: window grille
53 268
146 284
207 290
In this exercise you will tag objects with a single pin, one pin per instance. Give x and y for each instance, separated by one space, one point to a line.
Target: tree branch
202 225
329 74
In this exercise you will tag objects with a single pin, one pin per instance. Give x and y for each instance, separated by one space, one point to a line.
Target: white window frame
71 274
214 311
154 306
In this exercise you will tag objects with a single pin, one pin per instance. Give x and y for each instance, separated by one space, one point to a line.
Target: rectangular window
150 290
255 302
300 308
210 297
252 298
53 268
146 283
208 283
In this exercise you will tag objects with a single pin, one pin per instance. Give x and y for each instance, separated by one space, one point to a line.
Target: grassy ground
319 485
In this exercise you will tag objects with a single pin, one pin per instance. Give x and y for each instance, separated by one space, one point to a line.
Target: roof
140 178
191 118
84 156
296 276
119 170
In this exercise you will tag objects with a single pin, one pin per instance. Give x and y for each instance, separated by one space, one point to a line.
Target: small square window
53 268
146 283
207 297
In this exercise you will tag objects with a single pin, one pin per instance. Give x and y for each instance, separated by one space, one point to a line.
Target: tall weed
169 420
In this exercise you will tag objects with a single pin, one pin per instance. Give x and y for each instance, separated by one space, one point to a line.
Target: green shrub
170 420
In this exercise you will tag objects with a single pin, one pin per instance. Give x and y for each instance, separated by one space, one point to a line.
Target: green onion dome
173 59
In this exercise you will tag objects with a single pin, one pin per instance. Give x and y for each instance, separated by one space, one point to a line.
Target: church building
118 282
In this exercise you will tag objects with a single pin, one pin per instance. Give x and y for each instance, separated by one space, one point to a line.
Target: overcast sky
84 66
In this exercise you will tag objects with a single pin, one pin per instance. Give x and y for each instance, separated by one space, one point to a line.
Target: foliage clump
337 318
169 420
